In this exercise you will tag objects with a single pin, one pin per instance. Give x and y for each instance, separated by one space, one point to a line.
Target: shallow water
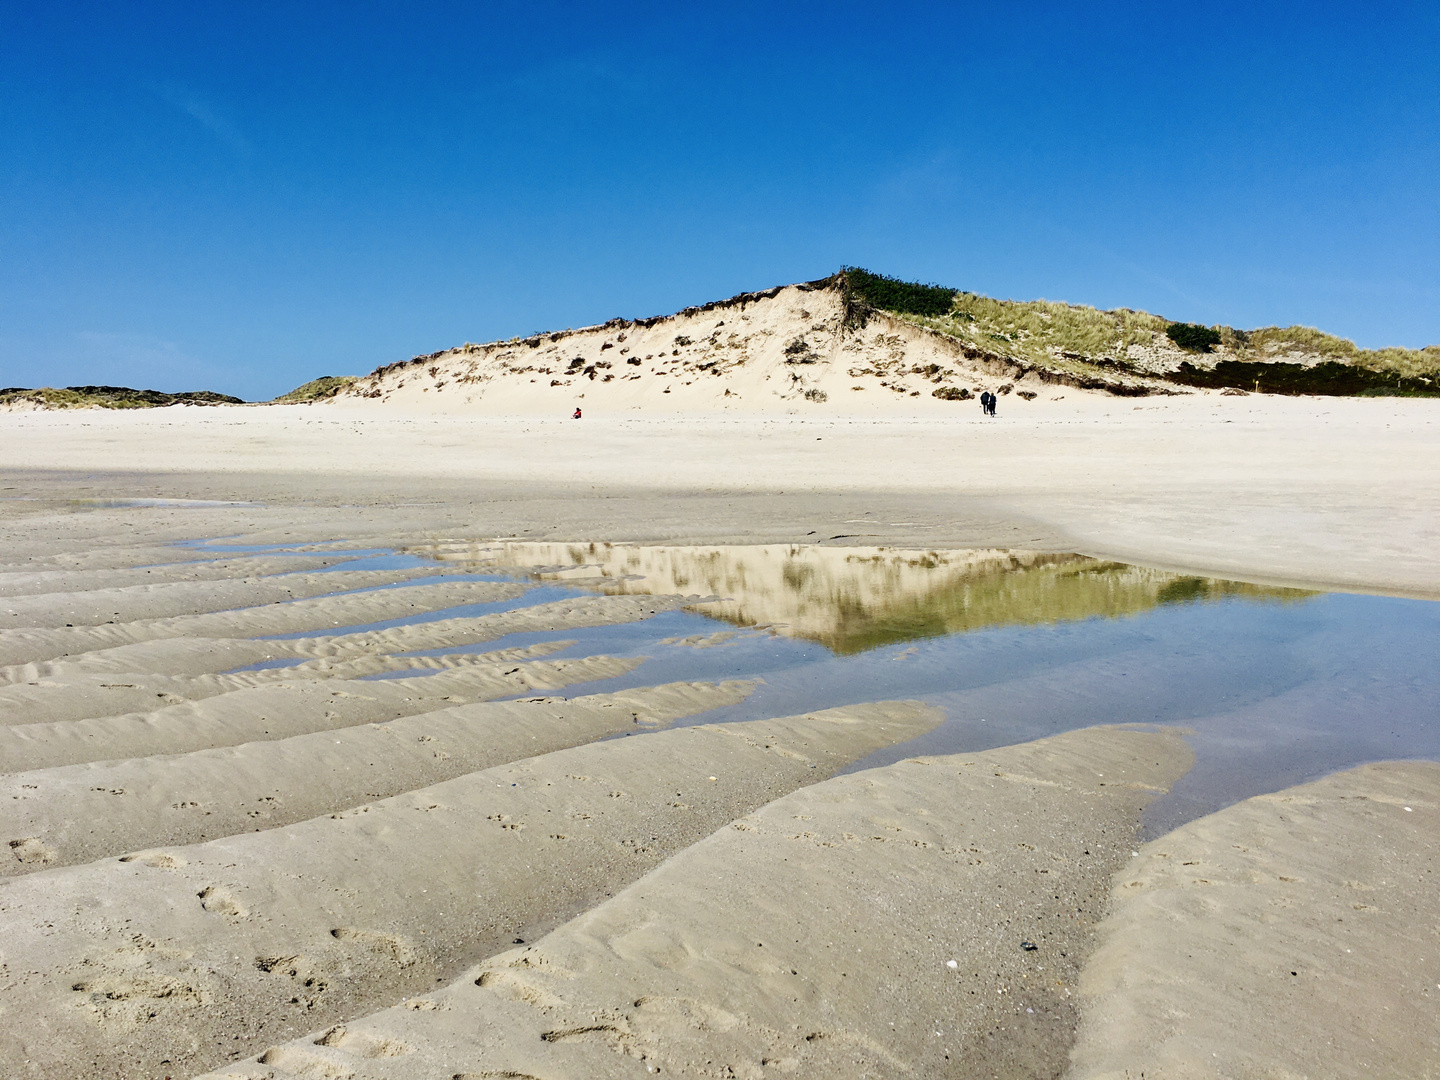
1274 686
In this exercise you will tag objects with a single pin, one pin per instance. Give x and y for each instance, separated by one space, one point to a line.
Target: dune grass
1064 336
109 397
327 386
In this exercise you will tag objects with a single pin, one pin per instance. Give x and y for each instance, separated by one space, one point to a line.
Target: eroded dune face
780 351
855 598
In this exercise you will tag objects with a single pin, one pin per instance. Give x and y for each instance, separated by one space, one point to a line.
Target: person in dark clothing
985 398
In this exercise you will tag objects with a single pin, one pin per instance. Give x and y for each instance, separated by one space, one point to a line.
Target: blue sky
242 197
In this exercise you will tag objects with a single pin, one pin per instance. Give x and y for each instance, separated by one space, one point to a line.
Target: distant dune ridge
860 342
105 397
854 342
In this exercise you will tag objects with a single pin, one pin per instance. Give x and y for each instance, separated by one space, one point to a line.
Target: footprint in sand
162 860
307 982
516 987
363 1044
221 901
308 1064
125 1001
391 945
32 851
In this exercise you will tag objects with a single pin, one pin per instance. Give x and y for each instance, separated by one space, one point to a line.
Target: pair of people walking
987 403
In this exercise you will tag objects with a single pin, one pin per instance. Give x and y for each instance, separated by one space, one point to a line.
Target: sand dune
1294 934
778 351
76 814
182 957
873 925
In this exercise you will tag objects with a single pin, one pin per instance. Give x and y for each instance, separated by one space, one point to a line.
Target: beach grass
108 397
327 386
1076 337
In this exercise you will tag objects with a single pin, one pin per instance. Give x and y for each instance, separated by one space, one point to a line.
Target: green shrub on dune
327 386
108 397
1076 339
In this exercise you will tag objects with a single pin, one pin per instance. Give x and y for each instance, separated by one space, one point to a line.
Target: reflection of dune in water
852 599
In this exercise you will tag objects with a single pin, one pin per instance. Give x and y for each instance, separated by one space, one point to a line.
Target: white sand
338 609
235 945
25 583
133 678
1336 492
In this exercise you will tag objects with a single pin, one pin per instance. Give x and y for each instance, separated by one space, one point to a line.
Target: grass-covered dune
1079 340
107 397
327 386
125 397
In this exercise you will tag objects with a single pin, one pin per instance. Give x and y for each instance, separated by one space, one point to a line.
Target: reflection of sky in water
543 595
1276 687
1274 693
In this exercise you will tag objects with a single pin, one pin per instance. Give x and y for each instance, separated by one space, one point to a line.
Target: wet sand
1294 934
165 960
925 919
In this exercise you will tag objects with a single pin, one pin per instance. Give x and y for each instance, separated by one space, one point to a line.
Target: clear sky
241 197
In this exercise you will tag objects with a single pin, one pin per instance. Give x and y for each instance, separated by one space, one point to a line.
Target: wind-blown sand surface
251 793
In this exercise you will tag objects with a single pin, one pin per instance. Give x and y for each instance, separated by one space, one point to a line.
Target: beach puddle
1274 685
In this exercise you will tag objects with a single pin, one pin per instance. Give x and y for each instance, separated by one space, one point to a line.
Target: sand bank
177 730
158 967
130 678
887 923
29 582
183 957
130 603
77 814
1294 934
342 609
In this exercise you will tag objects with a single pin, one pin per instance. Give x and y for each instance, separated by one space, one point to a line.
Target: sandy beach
326 752
1343 493
546 542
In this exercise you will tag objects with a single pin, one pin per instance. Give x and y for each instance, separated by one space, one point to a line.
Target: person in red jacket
576 414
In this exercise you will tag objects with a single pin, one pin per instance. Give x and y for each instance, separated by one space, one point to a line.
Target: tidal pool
1275 686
